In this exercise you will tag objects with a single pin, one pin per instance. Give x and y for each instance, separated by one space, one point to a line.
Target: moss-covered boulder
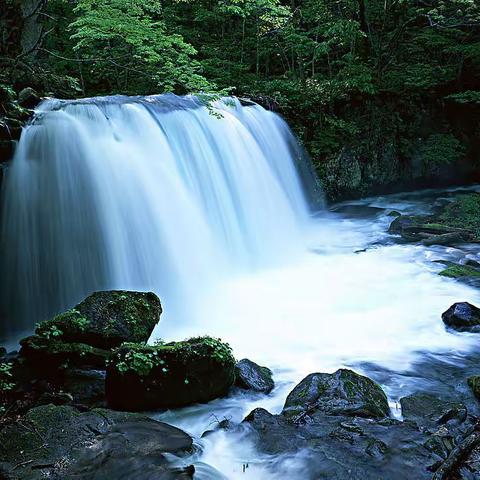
47 354
250 376
84 335
106 319
61 442
462 316
341 393
141 377
463 213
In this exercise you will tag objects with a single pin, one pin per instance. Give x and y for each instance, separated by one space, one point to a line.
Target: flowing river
221 215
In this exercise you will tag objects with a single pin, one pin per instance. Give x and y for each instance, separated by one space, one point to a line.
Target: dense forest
382 93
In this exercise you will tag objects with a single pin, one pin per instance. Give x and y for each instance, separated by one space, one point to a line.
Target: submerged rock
61 442
427 410
462 316
106 319
141 377
250 376
341 393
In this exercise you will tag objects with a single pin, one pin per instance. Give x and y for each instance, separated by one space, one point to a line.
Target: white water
157 194
149 194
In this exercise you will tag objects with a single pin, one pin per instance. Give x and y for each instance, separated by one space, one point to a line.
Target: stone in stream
341 393
84 335
462 316
250 376
142 377
107 319
335 426
428 410
60 442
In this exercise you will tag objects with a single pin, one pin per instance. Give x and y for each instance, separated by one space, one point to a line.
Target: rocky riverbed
373 419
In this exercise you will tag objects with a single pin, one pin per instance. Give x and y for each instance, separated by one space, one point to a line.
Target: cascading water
145 193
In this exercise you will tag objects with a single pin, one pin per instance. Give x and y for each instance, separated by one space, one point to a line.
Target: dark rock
3 352
401 222
472 263
58 398
428 410
339 447
250 376
61 442
48 355
452 238
462 316
28 98
357 211
106 319
87 387
394 213
142 377
341 393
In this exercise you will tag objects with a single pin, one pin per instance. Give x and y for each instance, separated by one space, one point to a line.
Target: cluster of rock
58 392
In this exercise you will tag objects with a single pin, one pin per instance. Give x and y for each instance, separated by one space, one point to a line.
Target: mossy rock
62 442
459 271
141 377
106 319
47 355
464 213
250 376
341 393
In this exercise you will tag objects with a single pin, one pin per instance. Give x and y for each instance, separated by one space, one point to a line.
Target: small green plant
6 378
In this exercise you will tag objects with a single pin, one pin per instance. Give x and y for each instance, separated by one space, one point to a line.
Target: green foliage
442 149
141 359
6 378
464 213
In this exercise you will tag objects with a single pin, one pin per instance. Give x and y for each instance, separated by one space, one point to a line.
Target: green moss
71 321
457 271
442 149
6 378
463 213
141 359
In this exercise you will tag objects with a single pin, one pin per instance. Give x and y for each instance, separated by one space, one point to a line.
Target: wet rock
452 238
57 398
141 377
474 384
250 376
61 442
340 447
357 211
462 316
428 410
28 98
428 231
459 271
87 387
47 355
341 393
106 319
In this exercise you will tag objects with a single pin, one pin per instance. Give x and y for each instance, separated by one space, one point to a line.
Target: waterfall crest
145 193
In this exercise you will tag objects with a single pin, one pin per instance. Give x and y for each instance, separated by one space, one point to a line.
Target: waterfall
146 193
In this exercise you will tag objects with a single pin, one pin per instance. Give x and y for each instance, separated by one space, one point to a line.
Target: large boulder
141 377
107 319
84 335
341 393
60 442
462 316
250 376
